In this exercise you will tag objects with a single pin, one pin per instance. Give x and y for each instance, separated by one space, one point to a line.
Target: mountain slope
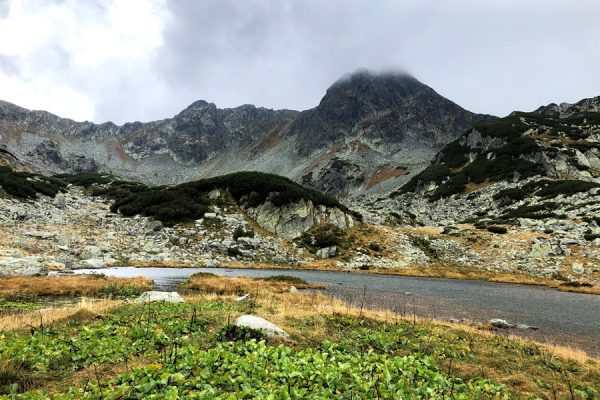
561 142
368 132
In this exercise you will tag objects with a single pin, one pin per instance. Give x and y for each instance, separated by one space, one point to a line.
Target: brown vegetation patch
50 315
85 285
384 173
240 284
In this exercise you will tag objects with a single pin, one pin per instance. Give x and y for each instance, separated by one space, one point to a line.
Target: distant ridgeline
169 204
559 142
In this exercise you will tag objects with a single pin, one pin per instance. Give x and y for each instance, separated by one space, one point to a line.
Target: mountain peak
564 110
362 76
371 84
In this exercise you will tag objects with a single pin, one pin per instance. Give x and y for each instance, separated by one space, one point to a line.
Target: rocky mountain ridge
558 142
367 134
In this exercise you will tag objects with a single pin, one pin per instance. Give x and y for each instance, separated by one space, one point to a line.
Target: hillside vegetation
169 204
510 148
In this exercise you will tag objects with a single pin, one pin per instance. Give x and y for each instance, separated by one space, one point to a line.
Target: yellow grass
278 307
242 284
66 285
50 315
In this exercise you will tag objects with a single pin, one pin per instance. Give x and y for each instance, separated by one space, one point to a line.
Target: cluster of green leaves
25 185
254 188
132 331
169 205
364 359
454 155
252 369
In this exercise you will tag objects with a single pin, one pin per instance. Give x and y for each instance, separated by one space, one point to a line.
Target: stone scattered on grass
261 324
154 295
245 297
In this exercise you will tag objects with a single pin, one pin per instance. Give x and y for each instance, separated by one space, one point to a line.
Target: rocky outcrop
26 266
559 142
292 220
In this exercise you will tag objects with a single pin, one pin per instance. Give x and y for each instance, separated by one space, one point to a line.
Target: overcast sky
126 60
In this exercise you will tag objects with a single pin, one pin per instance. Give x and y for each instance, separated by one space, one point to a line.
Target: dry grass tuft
84 285
86 308
241 284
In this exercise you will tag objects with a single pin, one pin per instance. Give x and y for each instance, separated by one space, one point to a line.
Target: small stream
563 318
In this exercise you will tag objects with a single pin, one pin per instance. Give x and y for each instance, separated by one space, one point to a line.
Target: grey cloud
490 57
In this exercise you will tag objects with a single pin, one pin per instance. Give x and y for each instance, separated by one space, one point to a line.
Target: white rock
293 289
327 252
26 266
214 194
261 324
577 268
500 323
154 295
245 297
40 234
90 252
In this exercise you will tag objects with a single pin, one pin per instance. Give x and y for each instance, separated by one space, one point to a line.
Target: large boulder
326 252
26 266
260 324
292 220
90 252
60 201
154 295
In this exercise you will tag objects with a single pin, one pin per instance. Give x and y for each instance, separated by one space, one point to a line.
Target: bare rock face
26 266
365 124
292 220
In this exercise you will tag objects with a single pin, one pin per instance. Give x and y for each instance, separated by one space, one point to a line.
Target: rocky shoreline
75 230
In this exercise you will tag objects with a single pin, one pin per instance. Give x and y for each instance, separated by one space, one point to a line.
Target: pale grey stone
26 266
152 296
261 324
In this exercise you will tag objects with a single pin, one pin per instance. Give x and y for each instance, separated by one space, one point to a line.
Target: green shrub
120 291
591 236
375 246
25 185
242 232
454 155
497 229
433 173
326 235
189 201
86 179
